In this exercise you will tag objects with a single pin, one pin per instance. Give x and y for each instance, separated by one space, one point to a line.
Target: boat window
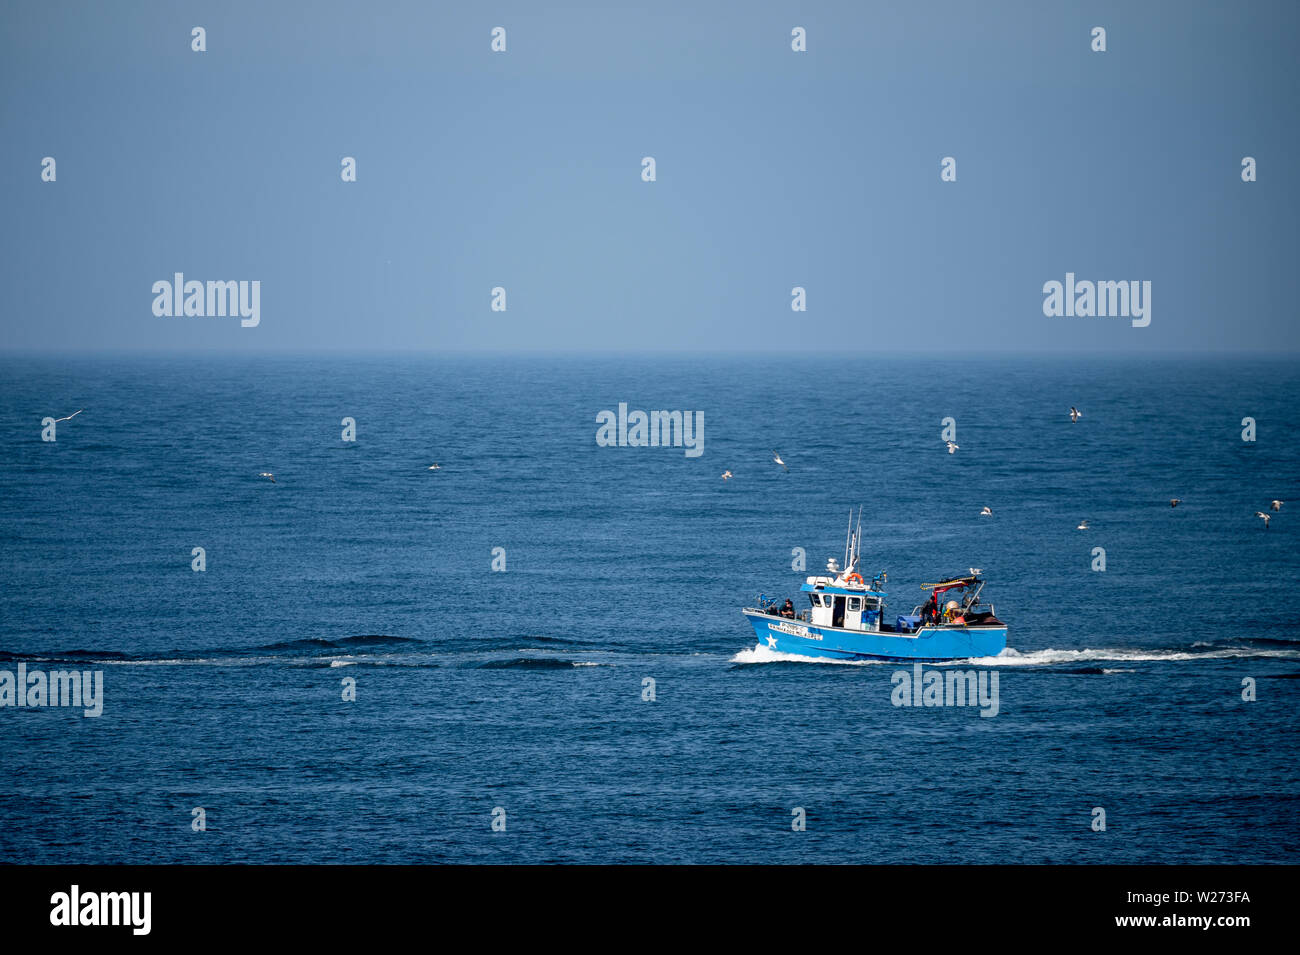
855 603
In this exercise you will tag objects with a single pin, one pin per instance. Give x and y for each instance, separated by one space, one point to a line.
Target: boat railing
803 616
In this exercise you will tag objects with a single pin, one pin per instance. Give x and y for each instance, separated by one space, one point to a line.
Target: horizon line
44 351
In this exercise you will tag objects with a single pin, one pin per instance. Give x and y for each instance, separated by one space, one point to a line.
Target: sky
775 169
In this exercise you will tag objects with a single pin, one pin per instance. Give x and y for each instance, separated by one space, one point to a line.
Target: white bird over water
1277 505
70 417
776 456
1263 515
1083 526
726 475
1175 501
987 512
266 474
434 467
1075 413
952 447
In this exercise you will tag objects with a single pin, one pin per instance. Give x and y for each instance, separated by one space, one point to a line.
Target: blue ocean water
523 689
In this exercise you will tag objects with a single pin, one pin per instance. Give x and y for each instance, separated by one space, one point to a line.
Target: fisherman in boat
929 610
788 609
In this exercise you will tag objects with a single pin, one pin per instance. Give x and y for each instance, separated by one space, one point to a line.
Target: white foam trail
1011 657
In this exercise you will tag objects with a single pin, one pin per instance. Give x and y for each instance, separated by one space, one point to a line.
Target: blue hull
928 643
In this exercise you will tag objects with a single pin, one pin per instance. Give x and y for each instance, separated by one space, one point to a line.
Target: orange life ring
857 577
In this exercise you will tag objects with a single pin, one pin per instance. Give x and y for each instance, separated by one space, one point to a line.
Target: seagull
70 417
952 447
434 467
1277 505
1175 501
1263 515
725 475
987 512
266 474
975 571
776 456
1075 413
1083 526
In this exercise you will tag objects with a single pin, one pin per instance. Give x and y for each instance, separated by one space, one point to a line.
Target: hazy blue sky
775 169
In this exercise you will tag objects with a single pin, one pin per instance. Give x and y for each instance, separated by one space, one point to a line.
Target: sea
535 653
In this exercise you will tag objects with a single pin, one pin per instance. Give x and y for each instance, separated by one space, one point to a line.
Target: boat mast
857 539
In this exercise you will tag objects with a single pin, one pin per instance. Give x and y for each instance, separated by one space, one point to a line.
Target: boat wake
1011 657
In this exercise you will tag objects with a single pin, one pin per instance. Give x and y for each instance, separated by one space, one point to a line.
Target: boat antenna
848 541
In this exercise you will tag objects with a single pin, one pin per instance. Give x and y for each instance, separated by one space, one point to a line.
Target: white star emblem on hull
771 642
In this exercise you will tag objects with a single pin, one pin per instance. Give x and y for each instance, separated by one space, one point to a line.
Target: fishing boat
846 618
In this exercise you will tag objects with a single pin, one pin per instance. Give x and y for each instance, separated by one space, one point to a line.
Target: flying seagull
1263 515
1083 526
952 447
1075 413
434 467
776 456
725 475
1175 501
266 474
1277 505
70 417
987 512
